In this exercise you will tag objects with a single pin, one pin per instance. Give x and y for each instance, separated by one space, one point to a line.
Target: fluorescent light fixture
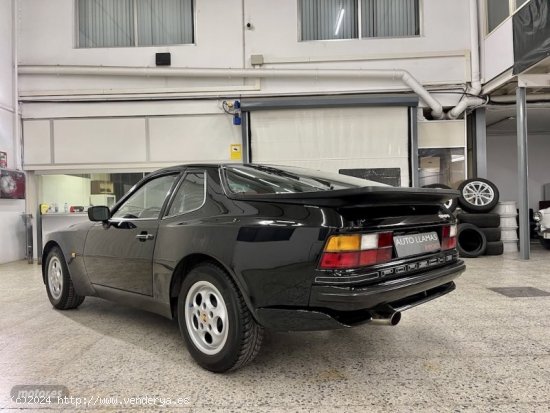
339 23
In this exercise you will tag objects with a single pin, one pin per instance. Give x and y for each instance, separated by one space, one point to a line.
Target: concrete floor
473 350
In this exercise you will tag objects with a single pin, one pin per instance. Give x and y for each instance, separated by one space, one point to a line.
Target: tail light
357 250
448 237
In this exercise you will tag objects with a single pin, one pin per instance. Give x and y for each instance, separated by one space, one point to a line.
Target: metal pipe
390 74
481 142
413 145
523 173
386 318
475 84
16 142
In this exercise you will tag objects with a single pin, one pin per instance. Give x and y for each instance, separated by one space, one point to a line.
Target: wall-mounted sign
12 184
3 160
235 151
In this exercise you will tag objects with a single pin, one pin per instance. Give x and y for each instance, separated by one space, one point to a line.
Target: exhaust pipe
390 318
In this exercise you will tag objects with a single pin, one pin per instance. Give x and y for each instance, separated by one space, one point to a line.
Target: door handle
144 236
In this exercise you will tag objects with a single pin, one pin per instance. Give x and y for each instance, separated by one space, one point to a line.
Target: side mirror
99 213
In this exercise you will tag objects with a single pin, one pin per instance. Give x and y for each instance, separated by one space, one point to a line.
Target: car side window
147 201
190 195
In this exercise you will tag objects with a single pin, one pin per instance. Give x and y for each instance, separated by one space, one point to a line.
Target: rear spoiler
357 197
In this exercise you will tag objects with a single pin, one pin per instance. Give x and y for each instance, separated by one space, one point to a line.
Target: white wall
502 166
62 189
12 242
498 51
438 56
131 135
6 81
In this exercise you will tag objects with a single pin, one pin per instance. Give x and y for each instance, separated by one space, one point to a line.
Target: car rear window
260 179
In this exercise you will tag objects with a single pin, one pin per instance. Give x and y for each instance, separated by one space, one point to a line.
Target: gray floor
473 350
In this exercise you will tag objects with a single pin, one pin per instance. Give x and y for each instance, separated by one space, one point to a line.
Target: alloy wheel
206 317
55 277
478 193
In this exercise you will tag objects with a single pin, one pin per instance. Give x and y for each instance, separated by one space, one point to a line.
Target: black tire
545 242
494 248
471 242
243 335
59 285
450 205
491 234
487 220
487 200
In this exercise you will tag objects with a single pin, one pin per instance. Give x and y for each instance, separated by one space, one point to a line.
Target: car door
119 254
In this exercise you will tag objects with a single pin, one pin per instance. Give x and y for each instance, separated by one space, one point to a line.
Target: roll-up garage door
374 139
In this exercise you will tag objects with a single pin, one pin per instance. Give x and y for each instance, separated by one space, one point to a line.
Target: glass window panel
256 179
520 3
442 166
105 23
390 18
110 23
164 22
190 194
328 19
147 201
497 12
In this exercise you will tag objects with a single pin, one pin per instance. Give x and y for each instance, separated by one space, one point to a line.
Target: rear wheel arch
189 262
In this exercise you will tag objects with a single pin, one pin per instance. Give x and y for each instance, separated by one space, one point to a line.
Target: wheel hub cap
206 317
55 277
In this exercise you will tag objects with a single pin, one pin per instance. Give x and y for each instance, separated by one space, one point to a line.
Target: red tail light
357 250
448 237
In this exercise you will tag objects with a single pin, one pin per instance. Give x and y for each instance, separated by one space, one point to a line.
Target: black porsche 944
230 250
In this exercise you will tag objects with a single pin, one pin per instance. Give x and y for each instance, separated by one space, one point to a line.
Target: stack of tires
479 230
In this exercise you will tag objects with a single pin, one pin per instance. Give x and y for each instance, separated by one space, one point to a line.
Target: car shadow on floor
161 337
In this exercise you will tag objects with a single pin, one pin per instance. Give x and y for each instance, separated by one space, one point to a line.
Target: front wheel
59 285
215 322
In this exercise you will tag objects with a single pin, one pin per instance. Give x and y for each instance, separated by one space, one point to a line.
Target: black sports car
229 250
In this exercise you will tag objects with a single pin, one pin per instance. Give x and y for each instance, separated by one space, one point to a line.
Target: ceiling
502 119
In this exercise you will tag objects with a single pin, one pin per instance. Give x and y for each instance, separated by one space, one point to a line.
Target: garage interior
407 93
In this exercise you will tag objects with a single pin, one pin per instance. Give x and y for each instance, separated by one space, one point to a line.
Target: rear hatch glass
260 179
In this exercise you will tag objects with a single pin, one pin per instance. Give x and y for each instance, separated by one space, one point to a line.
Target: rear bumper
340 307
353 299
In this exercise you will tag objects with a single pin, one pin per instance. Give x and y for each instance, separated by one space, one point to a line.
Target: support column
413 145
481 143
523 189
245 122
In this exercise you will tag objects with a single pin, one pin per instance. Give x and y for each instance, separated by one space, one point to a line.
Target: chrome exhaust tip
386 319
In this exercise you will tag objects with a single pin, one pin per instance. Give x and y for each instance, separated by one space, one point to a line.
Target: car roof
177 168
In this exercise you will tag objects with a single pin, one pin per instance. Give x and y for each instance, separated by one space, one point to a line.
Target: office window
497 12
353 19
390 18
126 23
500 10
328 19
